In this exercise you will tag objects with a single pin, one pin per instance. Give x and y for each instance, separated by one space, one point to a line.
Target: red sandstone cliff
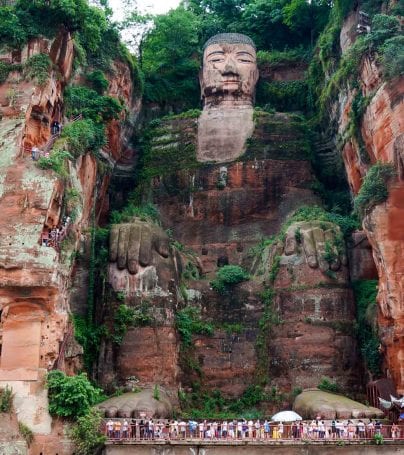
382 129
36 280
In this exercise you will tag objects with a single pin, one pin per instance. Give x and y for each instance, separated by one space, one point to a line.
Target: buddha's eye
243 60
216 60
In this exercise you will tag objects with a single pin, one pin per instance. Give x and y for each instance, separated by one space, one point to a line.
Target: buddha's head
229 72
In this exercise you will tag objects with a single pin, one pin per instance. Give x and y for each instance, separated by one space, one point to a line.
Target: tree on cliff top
170 59
170 52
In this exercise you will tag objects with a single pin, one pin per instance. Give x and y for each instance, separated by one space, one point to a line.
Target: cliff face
34 297
382 130
36 279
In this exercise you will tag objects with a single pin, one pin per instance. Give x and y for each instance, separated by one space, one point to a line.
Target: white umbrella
286 416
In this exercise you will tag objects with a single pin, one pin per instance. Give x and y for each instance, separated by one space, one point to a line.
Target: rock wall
35 279
382 130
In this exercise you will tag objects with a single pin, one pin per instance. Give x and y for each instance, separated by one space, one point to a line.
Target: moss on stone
278 137
168 147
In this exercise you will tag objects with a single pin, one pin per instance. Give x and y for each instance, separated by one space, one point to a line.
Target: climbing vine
366 312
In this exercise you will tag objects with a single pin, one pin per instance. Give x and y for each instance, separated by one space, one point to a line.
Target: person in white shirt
201 430
110 428
125 427
231 430
224 430
321 429
250 428
257 426
361 429
239 429
280 430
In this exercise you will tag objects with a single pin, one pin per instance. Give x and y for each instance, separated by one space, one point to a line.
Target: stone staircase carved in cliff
327 153
51 141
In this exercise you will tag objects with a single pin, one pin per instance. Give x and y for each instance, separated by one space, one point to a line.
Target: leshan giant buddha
220 195
228 80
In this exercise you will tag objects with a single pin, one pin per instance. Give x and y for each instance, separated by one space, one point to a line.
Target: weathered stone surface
228 79
223 209
151 355
361 263
382 129
141 259
35 279
223 132
229 71
384 226
312 403
142 402
250 448
314 304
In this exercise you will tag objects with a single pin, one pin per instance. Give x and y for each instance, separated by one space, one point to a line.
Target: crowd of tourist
242 429
54 236
36 153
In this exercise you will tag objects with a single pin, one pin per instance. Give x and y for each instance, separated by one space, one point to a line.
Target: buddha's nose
230 66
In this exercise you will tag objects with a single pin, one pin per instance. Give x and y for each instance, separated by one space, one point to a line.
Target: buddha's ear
200 75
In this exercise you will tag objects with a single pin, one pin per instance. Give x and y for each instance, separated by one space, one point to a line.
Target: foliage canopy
227 276
70 396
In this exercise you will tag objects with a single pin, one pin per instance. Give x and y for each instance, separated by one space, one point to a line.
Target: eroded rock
313 402
140 404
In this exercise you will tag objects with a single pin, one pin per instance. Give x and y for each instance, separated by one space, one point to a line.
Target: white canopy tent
286 416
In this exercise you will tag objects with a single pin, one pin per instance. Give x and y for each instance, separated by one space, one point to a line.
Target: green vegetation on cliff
329 72
6 399
188 322
85 433
227 276
374 189
70 396
366 315
200 404
171 50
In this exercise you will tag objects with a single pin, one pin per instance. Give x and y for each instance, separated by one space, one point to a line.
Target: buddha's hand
321 243
133 244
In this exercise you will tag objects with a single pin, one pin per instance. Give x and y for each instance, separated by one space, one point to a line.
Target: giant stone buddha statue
220 195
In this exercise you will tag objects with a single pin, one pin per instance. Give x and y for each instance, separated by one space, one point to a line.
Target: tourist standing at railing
110 428
192 428
117 429
371 429
267 429
257 426
361 429
280 430
250 425
351 430
175 429
133 429
231 430
183 429
224 429
201 430
125 428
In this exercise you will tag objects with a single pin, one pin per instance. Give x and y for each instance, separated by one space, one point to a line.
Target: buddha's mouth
230 79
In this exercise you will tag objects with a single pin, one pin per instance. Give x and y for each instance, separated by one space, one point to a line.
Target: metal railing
127 430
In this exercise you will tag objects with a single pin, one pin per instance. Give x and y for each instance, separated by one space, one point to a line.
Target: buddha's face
229 74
